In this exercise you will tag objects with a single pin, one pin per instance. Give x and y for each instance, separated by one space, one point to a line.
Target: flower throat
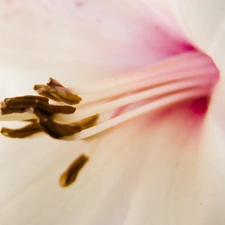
82 112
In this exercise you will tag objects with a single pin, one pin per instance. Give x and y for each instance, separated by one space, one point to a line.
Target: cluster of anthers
37 111
42 119
180 78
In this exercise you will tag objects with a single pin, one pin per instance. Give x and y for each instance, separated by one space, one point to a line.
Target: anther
56 91
70 175
22 132
88 122
44 91
22 103
19 104
57 130
54 129
6 110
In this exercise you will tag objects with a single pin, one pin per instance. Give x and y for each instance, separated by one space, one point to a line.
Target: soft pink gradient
150 170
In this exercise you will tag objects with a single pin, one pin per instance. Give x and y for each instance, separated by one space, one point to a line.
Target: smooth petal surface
142 172
205 24
157 178
25 170
80 40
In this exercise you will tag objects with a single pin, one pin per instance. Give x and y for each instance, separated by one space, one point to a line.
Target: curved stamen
151 107
139 96
179 62
199 66
180 78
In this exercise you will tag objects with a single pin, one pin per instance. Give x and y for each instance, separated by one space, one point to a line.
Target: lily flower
141 119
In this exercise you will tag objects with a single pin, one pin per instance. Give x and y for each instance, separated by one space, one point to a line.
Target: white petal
148 171
138 174
27 177
204 22
84 38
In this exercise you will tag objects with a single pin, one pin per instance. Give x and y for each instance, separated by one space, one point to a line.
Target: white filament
164 84
153 106
132 98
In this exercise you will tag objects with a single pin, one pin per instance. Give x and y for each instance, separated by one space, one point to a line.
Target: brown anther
70 175
53 83
41 88
52 109
88 122
65 95
57 130
40 106
44 91
62 93
5 110
21 104
22 132
57 92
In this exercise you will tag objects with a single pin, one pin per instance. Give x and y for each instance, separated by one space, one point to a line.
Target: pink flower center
185 78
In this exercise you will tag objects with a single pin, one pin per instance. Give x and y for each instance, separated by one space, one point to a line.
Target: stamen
23 132
57 92
57 130
24 101
43 111
178 79
70 175
177 68
132 98
164 67
89 122
44 91
21 104
151 107
166 83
